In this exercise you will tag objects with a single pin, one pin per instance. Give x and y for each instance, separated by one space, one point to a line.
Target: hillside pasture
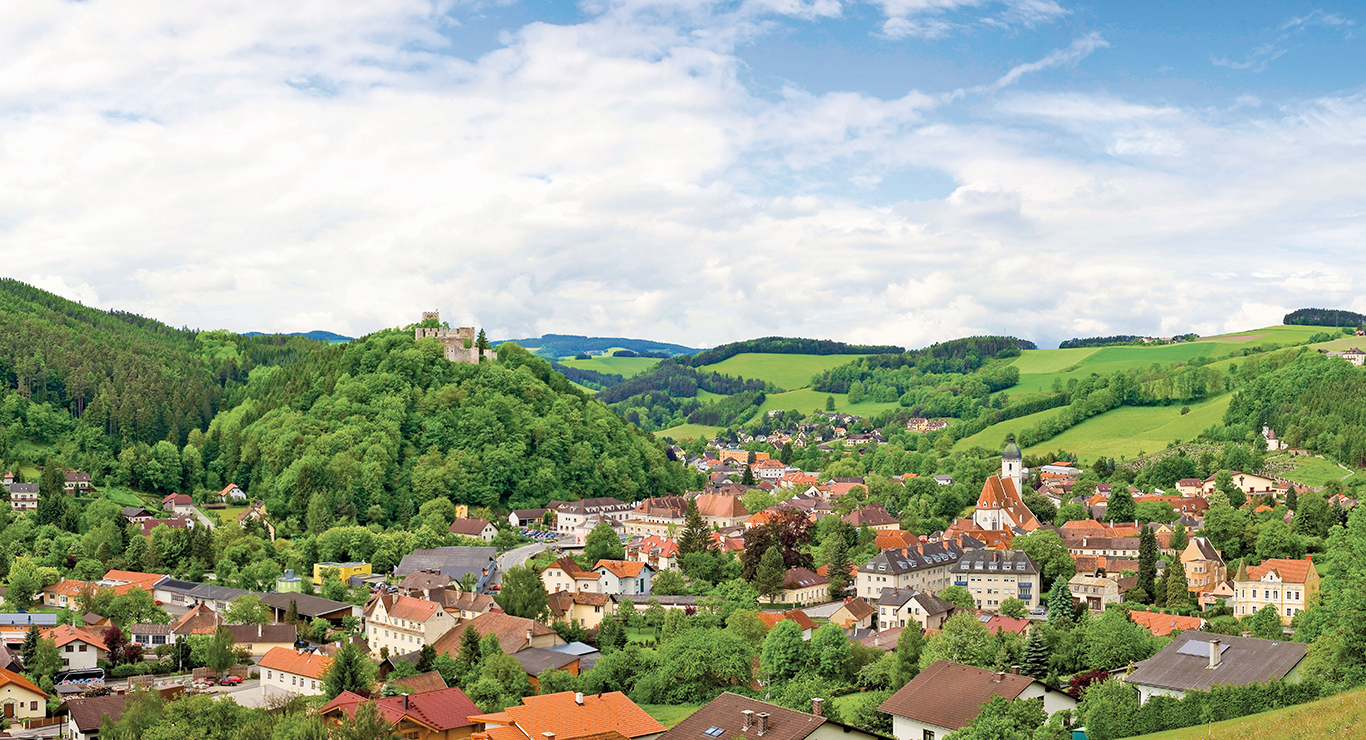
688 431
1127 431
807 400
992 437
789 372
626 367
1279 334
1341 716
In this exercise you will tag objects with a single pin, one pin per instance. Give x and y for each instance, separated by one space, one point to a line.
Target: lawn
1337 716
807 400
1128 431
1280 334
689 431
1311 471
670 714
624 366
993 436
785 371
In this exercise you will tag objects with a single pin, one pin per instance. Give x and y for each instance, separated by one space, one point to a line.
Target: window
33 706
83 647
1289 611
714 732
269 675
929 734
69 648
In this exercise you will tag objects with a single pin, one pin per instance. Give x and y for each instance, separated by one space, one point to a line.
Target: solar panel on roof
714 732
1199 649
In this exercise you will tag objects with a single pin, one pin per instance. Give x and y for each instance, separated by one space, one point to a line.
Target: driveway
202 519
515 556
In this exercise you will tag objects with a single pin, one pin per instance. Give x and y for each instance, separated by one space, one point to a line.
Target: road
515 556
203 519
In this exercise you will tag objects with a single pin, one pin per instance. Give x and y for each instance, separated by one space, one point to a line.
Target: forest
785 346
1324 317
1311 400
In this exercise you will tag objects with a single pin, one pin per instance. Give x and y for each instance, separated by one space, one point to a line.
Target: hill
556 346
318 334
786 346
1325 317
1342 715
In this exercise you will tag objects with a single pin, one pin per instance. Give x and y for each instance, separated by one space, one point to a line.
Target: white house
404 624
623 577
292 672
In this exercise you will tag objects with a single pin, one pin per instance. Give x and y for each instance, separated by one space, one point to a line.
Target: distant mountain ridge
554 346
318 334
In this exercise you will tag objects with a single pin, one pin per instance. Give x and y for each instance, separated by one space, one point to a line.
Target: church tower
1012 467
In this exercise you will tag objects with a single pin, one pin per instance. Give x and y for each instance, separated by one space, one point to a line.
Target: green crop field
689 431
1281 334
992 437
1129 430
708 396
1341 716
623 366
1040 367
789 372
807 400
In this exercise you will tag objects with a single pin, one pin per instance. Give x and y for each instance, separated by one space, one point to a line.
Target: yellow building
19 698
1286 584
344 571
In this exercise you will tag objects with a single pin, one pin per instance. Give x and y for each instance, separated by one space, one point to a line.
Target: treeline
670 377
1098 341
588 378
1324 317
552 346
959 356
1312 401
786 346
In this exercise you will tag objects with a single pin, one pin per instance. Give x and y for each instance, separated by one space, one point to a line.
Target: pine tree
838 567
696 537
1147 560
1060 605
747 479
768 578
292 614
908 648
1159 592
426 659
1292 498
1036 655
30 646
350 670
1178 589
1120 506
1178 541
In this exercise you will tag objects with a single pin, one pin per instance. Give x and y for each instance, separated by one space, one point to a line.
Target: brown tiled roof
884 640
560 603
511 632
415 610
10 677
87 714
423 581
468 527
284 659
802 578
726 713
563 715
720 505
429 681
200 620
894 539
772 618
592 599
949 695
621 568
571 568
872 515
1290 571
858 608
440 709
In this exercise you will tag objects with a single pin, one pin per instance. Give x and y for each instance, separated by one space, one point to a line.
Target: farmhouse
946 696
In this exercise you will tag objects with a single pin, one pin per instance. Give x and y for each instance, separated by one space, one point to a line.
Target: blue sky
901 171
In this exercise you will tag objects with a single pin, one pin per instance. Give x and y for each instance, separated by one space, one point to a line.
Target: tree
784 651
248 609
654 613
292 614
669 583
611 635
909 644
748 626
963 639
426 659
838 566
1060 605
24 583
1147 560
367 724
1292 499
468 656
747 477
1223 483
1108 709
829 403
831 648
1002 718
602 543
1178 540
1265 623
1046 548
1178 588
218 650
30 647
1036 655
523 593
1313 517
1120 506
1013 607
958 596
626 612
1275 540
1114 641
47 661
553 681
350 670
770 575
696 536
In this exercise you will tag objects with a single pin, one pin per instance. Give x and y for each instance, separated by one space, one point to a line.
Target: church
1001 505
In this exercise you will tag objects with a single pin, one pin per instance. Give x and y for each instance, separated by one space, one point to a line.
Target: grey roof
150 629
1206 549
897 597
42 620
535 660
996 561
308 606
200 590
453 561
1012 452
574 648
1245 660
909 559
23 488
644 599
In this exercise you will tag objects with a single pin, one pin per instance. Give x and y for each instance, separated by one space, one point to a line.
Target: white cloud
935 19
81 293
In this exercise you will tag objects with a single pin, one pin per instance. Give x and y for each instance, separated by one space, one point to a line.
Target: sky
691 171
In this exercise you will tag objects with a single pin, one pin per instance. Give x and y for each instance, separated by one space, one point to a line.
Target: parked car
230 681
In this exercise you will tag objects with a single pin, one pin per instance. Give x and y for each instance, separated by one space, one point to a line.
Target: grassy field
1281 334
670 714
624 366
807 400
1040 367
1129 430
992 436
789 372
1341 716
1311 471
689 431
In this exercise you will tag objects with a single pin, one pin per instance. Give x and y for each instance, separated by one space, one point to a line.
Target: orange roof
894 539
1163 624
1262 508
621 568
572 569
768 464
8 677
998 493
720 505
414 610
68 587
1290 571
144 581
308 665
65 633
796 615
563 715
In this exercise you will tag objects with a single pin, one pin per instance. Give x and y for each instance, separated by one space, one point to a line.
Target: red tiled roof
309 665
511 632
8 677
1162 625
415 610
563 715
144 581
894 539
621 568
796 615
65 633
1290 571
1002 623
720 505
441 710
67 587
998 493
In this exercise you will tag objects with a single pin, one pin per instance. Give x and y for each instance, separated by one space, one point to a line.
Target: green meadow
1129 431
789 372
626 367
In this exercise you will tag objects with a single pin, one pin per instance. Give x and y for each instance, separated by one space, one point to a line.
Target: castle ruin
459 343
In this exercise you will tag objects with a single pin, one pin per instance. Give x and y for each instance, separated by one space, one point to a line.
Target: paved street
515 556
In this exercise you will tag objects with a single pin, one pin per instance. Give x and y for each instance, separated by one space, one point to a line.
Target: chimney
749 719
578 698
763 722
548 735
1215 654
1000 676
816 706
1014 670
405 702
528 636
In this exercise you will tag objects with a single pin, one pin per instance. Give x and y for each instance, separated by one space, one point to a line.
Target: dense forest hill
1324 317
318 334
785 346
1312 401
1079 342
959 356
588 378
128 378
554 346
375 428
668 395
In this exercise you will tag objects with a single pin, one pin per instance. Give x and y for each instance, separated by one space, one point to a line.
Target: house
256 512
895 539
803 586
429 681
947 696
874 516
1097 591
804 622
721 510
657 516
536 661
623 577
201 619
1200 660
23 497
1086 544
583 608
258 639
923 567
77 481
1222 592
175 522
734 717
883 639
902 607
1000 505
523 517
289 583
79 648
1190 486
310 607
86 714
150 635
659 553
577 518
177 503
566 575
1162 624
64 592
232 493
1289 585
1248 483
1205 568
288 671
477 528
13 626
118 578
571 715
136 514
20 698
452 561
1000 623
404 624
440 714
514 633
469 605
855 614
189 594
992 576
345 571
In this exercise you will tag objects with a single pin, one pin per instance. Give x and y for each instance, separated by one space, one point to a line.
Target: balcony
964 584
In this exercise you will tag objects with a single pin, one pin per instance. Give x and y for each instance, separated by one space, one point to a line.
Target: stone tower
1012 467
458 343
